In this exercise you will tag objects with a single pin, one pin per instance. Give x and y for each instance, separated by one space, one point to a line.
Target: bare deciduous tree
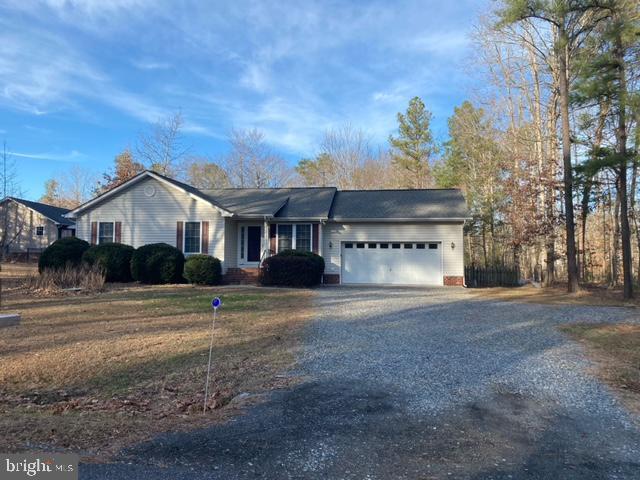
163 147
252 164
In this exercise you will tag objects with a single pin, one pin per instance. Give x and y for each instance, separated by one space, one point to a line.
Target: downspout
320 242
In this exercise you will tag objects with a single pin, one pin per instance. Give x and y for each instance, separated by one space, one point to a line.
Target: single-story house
29 227
405 237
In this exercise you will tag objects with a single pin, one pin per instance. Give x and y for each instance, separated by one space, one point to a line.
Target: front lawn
95 373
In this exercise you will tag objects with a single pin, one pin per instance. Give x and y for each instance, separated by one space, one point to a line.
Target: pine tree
413 149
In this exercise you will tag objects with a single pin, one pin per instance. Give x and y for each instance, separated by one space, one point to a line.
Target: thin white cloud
292 69
150 65
72 156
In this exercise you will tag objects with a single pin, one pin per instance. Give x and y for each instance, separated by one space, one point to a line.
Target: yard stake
206 388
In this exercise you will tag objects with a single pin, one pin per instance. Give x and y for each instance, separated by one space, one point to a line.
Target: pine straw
95 373
616 352
592 295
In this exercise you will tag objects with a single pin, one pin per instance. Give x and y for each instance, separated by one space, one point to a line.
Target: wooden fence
501 276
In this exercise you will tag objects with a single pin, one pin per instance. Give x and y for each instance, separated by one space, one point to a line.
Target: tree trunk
572 267
615 250
551 194
621 138
632 195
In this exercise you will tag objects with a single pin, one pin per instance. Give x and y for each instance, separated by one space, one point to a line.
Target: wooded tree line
547 153
548 156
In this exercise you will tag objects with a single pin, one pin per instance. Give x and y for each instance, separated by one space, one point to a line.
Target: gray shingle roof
399 204
49 211
275 202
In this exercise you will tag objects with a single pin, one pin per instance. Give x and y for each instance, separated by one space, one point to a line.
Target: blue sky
80 79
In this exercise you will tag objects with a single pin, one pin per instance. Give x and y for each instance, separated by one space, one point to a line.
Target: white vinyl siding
153 219
334 234
231 243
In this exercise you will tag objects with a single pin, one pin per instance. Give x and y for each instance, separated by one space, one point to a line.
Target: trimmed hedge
113 258
292 268
157 263
65 251
203 270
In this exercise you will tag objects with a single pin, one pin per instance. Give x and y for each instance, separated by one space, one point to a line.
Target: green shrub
203 270
292 268
62 252
113 258
157 263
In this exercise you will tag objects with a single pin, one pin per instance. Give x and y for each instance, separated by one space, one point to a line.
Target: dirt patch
95 373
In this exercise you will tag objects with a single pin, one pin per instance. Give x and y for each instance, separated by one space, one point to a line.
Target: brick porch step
242 276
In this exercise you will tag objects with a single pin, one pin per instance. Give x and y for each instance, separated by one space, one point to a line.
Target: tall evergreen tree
604 79
413 149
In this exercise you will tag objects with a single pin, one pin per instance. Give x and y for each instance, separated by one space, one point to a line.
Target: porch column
320 225
265 240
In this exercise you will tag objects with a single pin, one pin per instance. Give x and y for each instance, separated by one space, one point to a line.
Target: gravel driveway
407 383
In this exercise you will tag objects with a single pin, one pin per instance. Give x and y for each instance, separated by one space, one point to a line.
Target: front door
253 243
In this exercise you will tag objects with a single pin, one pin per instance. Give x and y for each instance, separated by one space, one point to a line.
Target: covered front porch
249 241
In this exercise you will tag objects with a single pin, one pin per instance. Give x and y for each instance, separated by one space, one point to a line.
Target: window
303 237
191 237
105 232
348 245
395 245
384 245
285 237
420 246
296 236
241 242
433 246
39 231
360 245
372 245
408 245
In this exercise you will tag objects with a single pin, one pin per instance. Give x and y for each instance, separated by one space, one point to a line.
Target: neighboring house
405 237
30 227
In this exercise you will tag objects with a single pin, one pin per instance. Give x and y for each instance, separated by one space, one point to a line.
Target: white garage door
404 263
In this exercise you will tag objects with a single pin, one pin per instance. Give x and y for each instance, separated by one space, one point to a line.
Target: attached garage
393 263
395 237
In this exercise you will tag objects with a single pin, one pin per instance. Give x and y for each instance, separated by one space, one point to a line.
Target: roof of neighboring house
441 204
55 214
311 202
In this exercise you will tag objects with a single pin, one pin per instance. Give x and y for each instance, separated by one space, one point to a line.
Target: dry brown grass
616 351
54 281
93 373
591 295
